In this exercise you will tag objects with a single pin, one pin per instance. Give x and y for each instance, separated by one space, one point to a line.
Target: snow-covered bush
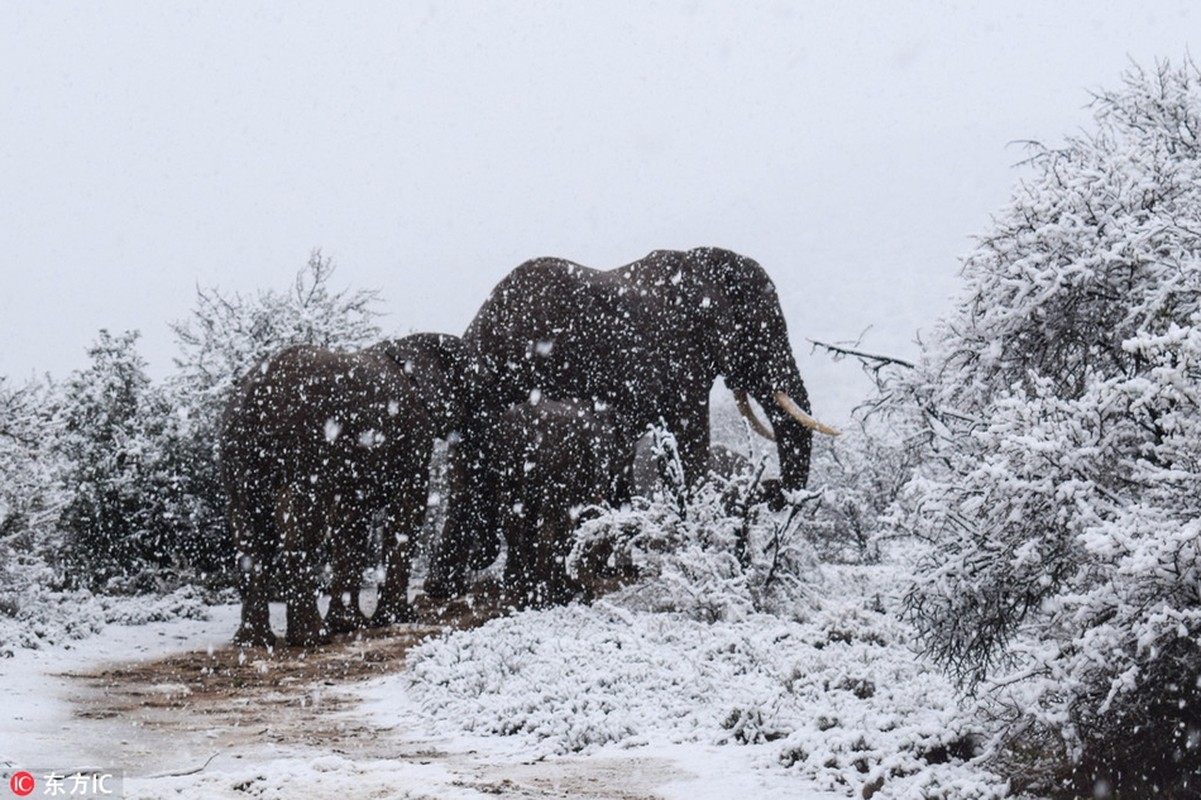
712 552
1062 402
51 618
227 334
857 478
27 464
853 479
109 481
839 699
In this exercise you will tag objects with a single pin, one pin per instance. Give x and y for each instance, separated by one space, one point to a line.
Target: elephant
560 457
646 468
725 464
648 340
314 445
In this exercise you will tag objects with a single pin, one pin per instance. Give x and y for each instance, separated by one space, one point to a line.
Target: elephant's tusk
744 408
797 413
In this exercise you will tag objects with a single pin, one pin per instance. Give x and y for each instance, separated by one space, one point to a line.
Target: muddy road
196 712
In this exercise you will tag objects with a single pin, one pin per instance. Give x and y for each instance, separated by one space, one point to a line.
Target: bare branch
879 361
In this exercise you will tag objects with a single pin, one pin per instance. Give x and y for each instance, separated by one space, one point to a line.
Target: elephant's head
755 357
435 363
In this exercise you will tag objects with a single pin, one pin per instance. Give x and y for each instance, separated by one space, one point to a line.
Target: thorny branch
870 361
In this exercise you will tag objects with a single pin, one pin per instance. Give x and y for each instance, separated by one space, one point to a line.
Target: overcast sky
853 149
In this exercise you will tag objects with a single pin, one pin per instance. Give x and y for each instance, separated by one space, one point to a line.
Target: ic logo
22 784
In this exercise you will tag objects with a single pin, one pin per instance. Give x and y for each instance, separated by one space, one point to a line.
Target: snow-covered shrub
853 479
50 617
712 552
28 431
227 334
1062 501
857 478
839 698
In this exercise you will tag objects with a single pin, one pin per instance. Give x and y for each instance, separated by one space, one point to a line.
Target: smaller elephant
562 457
646 468
314 446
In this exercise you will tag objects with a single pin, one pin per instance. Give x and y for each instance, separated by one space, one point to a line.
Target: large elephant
316 444
555 460
648 340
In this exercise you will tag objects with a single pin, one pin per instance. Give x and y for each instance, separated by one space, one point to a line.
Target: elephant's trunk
794 440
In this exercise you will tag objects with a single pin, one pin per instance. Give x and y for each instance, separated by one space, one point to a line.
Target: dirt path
171 716
234 698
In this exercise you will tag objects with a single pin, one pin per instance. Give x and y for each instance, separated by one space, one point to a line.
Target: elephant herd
542 401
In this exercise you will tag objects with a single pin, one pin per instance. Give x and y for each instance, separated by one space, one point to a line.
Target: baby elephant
314 446
560 457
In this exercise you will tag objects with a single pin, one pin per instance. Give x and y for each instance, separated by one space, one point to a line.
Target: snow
577 701
838 700
43 728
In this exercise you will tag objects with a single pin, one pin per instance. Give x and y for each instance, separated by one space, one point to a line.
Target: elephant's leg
518 521
348 546
393 606
692 436
555 544
539 575
550 541
255 629
302 526
305 626
254 563
513 509
403 519
471 537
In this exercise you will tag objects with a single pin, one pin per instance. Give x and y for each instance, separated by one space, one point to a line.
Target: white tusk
744 408
797 413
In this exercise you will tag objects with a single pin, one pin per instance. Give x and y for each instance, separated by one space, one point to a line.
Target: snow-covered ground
603 701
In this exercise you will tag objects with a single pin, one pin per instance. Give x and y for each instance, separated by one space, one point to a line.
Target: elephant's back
307 406
543 283
555 325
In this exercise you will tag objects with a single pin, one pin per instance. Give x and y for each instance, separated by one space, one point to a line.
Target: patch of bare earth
173 715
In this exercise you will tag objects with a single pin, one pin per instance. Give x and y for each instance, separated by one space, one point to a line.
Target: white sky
853 148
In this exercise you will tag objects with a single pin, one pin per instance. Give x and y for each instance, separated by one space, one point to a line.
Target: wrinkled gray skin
559 458
315 444
647 340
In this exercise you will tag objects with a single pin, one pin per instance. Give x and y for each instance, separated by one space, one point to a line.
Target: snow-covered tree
112 422
31 496
1062 402
27 432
